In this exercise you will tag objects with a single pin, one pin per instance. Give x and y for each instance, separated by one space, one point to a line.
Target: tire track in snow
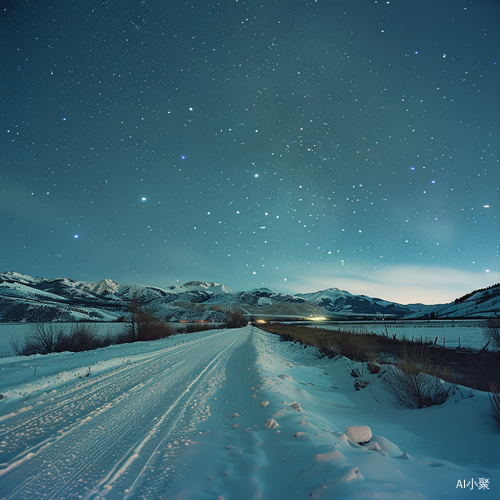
30 423
124 432
107 482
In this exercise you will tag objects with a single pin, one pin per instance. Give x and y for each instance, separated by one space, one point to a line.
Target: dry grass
475 369
45 338
416 381
330 343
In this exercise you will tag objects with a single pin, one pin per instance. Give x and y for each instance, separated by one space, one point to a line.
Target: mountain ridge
27 298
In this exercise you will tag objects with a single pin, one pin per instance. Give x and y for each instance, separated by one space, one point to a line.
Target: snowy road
231 415
106 434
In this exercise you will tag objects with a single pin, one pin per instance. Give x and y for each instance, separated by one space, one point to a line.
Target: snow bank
232 414
333 441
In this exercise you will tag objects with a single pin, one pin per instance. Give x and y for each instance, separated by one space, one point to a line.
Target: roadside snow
231 414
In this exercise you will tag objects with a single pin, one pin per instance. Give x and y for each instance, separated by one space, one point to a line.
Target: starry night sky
297 145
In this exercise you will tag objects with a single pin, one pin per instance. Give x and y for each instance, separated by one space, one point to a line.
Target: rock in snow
271 424
359 433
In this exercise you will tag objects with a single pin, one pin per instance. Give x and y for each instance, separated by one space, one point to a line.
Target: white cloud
399 283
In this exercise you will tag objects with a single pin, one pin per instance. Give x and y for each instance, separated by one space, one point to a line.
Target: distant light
433 182
183 157
412 168
143 198
416 52
486 206
256 175
76 236
64 119
487 270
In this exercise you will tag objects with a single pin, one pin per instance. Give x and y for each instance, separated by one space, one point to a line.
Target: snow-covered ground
231 414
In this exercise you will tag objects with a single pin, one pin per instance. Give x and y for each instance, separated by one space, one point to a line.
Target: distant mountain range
25 298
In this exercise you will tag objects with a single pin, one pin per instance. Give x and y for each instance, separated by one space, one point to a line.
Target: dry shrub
143 324
235 318
415 382
372 366
44 338
156 330
360 383
492 333
81 337
494 396
325 346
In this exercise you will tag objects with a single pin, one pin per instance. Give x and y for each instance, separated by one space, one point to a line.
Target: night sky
296 145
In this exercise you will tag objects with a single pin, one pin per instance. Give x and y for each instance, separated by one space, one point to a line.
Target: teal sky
296 145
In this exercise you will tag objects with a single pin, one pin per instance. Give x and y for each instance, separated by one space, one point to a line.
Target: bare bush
325 347
81 337
492 333
414 383
235 318
372 366
414 391
494 396
359 374
360 383
44 338
122 337
143 324
16 346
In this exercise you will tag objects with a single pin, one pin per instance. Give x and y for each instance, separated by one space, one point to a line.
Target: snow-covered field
231 414
470 333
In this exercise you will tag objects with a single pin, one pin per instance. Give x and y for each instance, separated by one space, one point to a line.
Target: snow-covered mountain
26 298
340 302
479 303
